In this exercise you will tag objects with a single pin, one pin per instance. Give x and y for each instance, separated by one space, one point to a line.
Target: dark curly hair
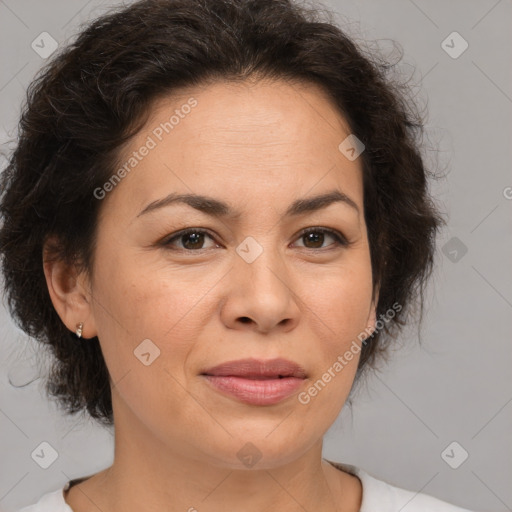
96 94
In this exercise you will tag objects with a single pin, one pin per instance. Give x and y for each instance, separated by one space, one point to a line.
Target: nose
260 295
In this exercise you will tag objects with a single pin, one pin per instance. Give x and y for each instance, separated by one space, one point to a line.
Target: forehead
266 138
275 111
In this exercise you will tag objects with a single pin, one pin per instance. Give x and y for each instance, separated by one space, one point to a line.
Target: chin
254 452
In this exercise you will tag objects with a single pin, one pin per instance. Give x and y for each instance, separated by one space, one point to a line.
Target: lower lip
256 392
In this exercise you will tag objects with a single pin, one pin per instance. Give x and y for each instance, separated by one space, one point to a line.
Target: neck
156 475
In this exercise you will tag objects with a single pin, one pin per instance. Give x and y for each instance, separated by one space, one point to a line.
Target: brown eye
314 238
189 240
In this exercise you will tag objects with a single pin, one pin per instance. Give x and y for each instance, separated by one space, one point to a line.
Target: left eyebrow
311 204
216 208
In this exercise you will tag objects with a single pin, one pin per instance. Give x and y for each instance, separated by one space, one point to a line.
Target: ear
69 291
372 316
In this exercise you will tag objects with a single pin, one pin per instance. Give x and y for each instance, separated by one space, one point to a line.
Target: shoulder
50 502
379 495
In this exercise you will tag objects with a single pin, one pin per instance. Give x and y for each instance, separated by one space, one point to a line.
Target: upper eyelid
329 231
339 237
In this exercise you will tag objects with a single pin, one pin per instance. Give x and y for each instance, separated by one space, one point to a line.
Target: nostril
245 319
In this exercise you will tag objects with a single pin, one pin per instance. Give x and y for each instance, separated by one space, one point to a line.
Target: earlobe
69 295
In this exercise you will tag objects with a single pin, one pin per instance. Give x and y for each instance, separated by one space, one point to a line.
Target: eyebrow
216 208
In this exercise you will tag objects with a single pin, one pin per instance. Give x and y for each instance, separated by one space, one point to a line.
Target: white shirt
378 496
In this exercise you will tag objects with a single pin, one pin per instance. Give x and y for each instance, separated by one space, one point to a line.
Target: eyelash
340 240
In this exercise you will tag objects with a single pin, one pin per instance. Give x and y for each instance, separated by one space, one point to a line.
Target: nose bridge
263 261
266 296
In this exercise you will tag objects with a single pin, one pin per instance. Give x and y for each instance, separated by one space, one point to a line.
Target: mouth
257 382
256 369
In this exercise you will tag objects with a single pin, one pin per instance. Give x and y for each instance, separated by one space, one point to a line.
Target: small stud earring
79 329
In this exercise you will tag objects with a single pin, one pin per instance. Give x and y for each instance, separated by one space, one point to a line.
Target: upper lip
257 368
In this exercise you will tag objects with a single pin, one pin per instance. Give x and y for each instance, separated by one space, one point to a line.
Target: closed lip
257 369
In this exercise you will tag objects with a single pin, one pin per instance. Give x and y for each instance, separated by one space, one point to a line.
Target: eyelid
166 240
340 239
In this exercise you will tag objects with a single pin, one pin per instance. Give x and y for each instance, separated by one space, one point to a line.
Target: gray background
456 386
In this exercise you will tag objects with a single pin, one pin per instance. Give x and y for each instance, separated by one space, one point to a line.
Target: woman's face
245 284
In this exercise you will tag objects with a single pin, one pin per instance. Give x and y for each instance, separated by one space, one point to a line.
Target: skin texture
257 146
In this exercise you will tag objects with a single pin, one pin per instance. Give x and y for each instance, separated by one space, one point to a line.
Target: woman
216 218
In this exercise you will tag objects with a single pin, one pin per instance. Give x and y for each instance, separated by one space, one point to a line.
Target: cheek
137 303
343 313
340 308
341 303
148 298
146 336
